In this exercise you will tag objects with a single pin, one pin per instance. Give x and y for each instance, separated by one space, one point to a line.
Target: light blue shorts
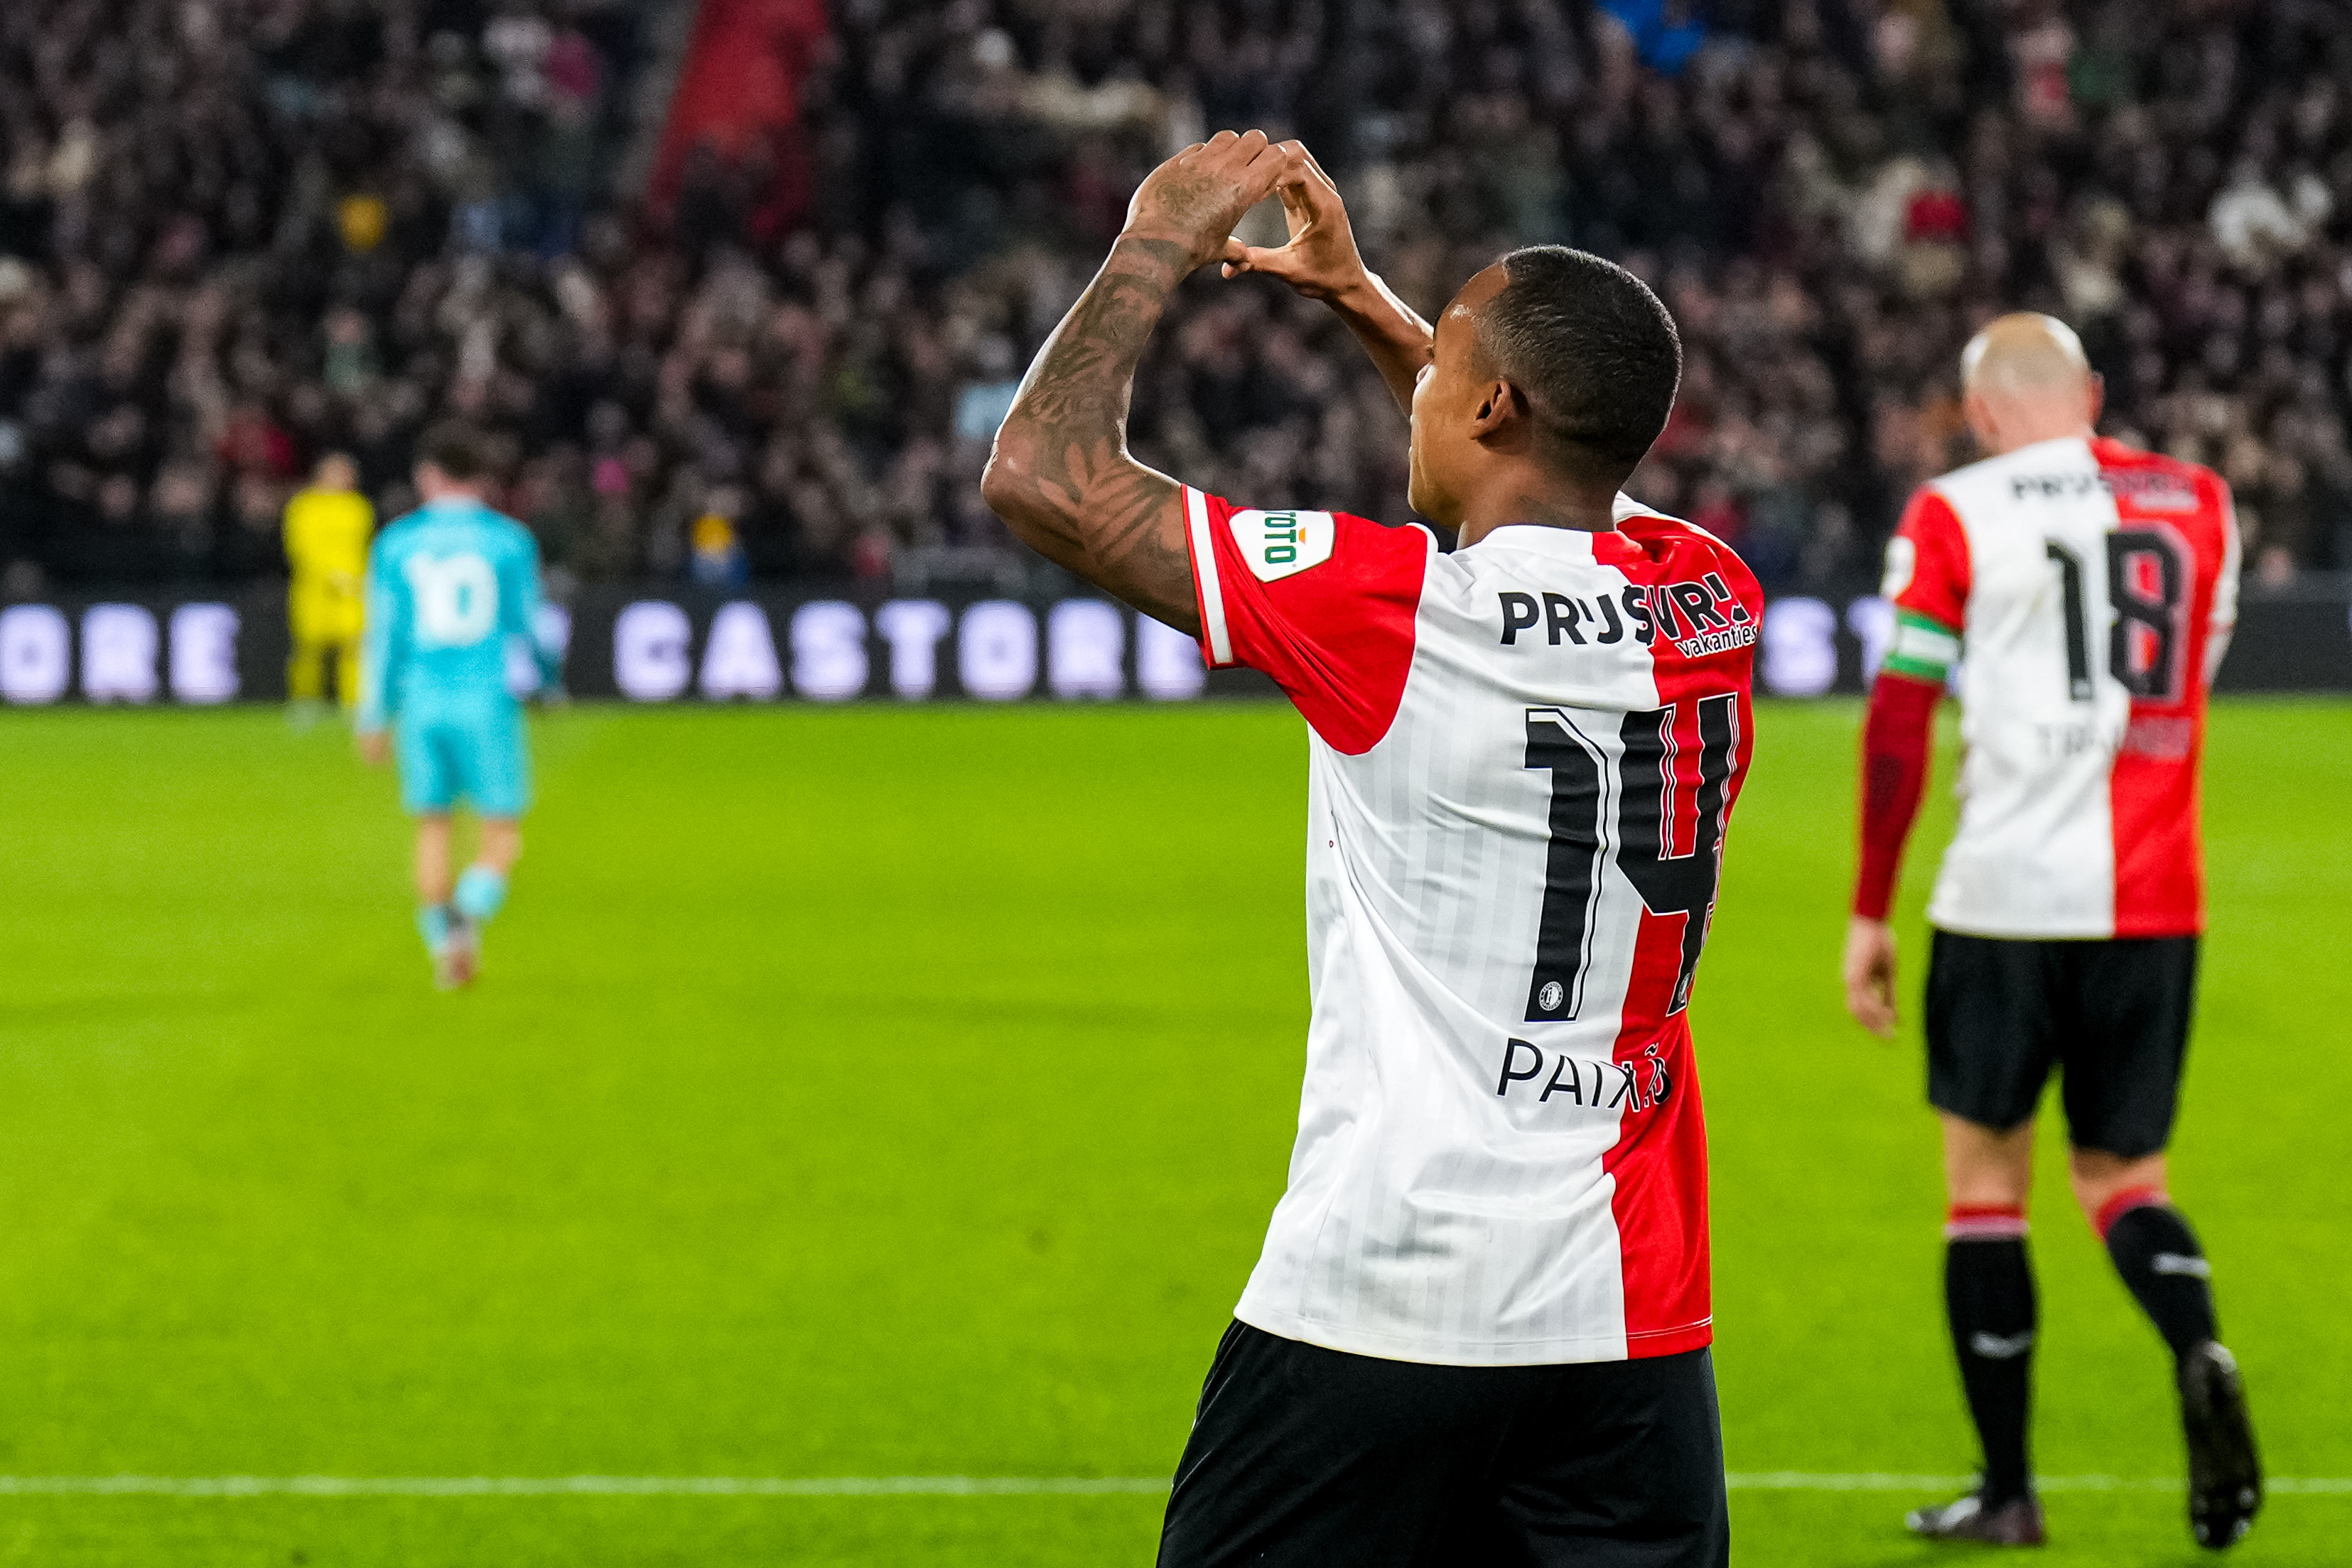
475 755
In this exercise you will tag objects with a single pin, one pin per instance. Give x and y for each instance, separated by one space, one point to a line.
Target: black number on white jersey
2144 644
2078 629
1572 865
1672 880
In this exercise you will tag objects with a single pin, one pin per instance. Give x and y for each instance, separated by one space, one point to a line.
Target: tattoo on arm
1061 475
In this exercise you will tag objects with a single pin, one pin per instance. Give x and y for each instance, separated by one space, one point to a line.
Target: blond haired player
327 530
2093 588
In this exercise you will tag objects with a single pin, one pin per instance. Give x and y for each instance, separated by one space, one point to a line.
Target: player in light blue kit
450 587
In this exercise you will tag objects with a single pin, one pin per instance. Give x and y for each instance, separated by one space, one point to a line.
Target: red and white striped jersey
2089 589
1523 758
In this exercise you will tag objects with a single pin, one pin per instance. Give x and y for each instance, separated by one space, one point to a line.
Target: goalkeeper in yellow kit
327 529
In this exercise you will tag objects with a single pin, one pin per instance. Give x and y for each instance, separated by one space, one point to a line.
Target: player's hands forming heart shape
1320 260
1196 197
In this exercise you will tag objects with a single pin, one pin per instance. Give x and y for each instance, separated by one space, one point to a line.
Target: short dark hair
454 450
1592 350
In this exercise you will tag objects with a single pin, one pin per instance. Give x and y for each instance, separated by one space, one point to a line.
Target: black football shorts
1307 1458
2112 1015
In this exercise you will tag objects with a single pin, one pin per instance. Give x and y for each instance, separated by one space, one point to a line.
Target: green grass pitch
886 1092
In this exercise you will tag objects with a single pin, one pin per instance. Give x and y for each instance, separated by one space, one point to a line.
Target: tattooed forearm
1061 475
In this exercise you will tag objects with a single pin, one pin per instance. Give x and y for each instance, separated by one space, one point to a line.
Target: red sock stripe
2123 1203
1978 1221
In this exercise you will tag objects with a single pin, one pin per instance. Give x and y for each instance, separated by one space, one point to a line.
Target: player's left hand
375 747
1196 197
1870 974
1320 259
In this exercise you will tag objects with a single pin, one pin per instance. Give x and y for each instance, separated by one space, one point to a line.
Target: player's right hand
1870 974
1321 259
1196 197
375 747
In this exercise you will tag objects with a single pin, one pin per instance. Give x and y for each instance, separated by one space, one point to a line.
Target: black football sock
2158 1255
1988 1293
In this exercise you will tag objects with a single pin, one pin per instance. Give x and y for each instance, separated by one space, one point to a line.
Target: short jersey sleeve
1927 580
1927 562
2225 581
1323 602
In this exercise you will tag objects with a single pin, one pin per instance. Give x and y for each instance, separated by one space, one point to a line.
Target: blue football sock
433 925
480 892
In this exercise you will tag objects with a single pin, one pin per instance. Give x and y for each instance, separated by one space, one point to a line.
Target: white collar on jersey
1572 544
1543 539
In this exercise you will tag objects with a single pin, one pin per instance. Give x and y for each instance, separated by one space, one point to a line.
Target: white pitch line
1801 1480
577 1486
937 1486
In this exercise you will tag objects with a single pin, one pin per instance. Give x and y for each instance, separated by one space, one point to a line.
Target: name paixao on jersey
1616 1086
1523 757
1699 617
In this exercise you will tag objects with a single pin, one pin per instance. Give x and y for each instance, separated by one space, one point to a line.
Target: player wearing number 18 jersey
2092 588
1478 1329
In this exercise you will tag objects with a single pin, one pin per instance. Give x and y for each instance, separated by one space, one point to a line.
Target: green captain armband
1923 649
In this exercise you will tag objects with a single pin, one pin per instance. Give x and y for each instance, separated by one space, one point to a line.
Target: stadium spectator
234 237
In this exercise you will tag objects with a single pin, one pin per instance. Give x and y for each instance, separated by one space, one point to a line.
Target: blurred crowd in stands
242 232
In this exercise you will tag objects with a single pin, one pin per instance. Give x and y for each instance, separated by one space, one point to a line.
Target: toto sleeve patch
1281 544
1902 565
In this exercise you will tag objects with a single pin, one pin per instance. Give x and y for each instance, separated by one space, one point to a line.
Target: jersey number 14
1626 813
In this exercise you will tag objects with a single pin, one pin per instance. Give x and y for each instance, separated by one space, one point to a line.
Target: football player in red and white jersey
2093 588
1478 1331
